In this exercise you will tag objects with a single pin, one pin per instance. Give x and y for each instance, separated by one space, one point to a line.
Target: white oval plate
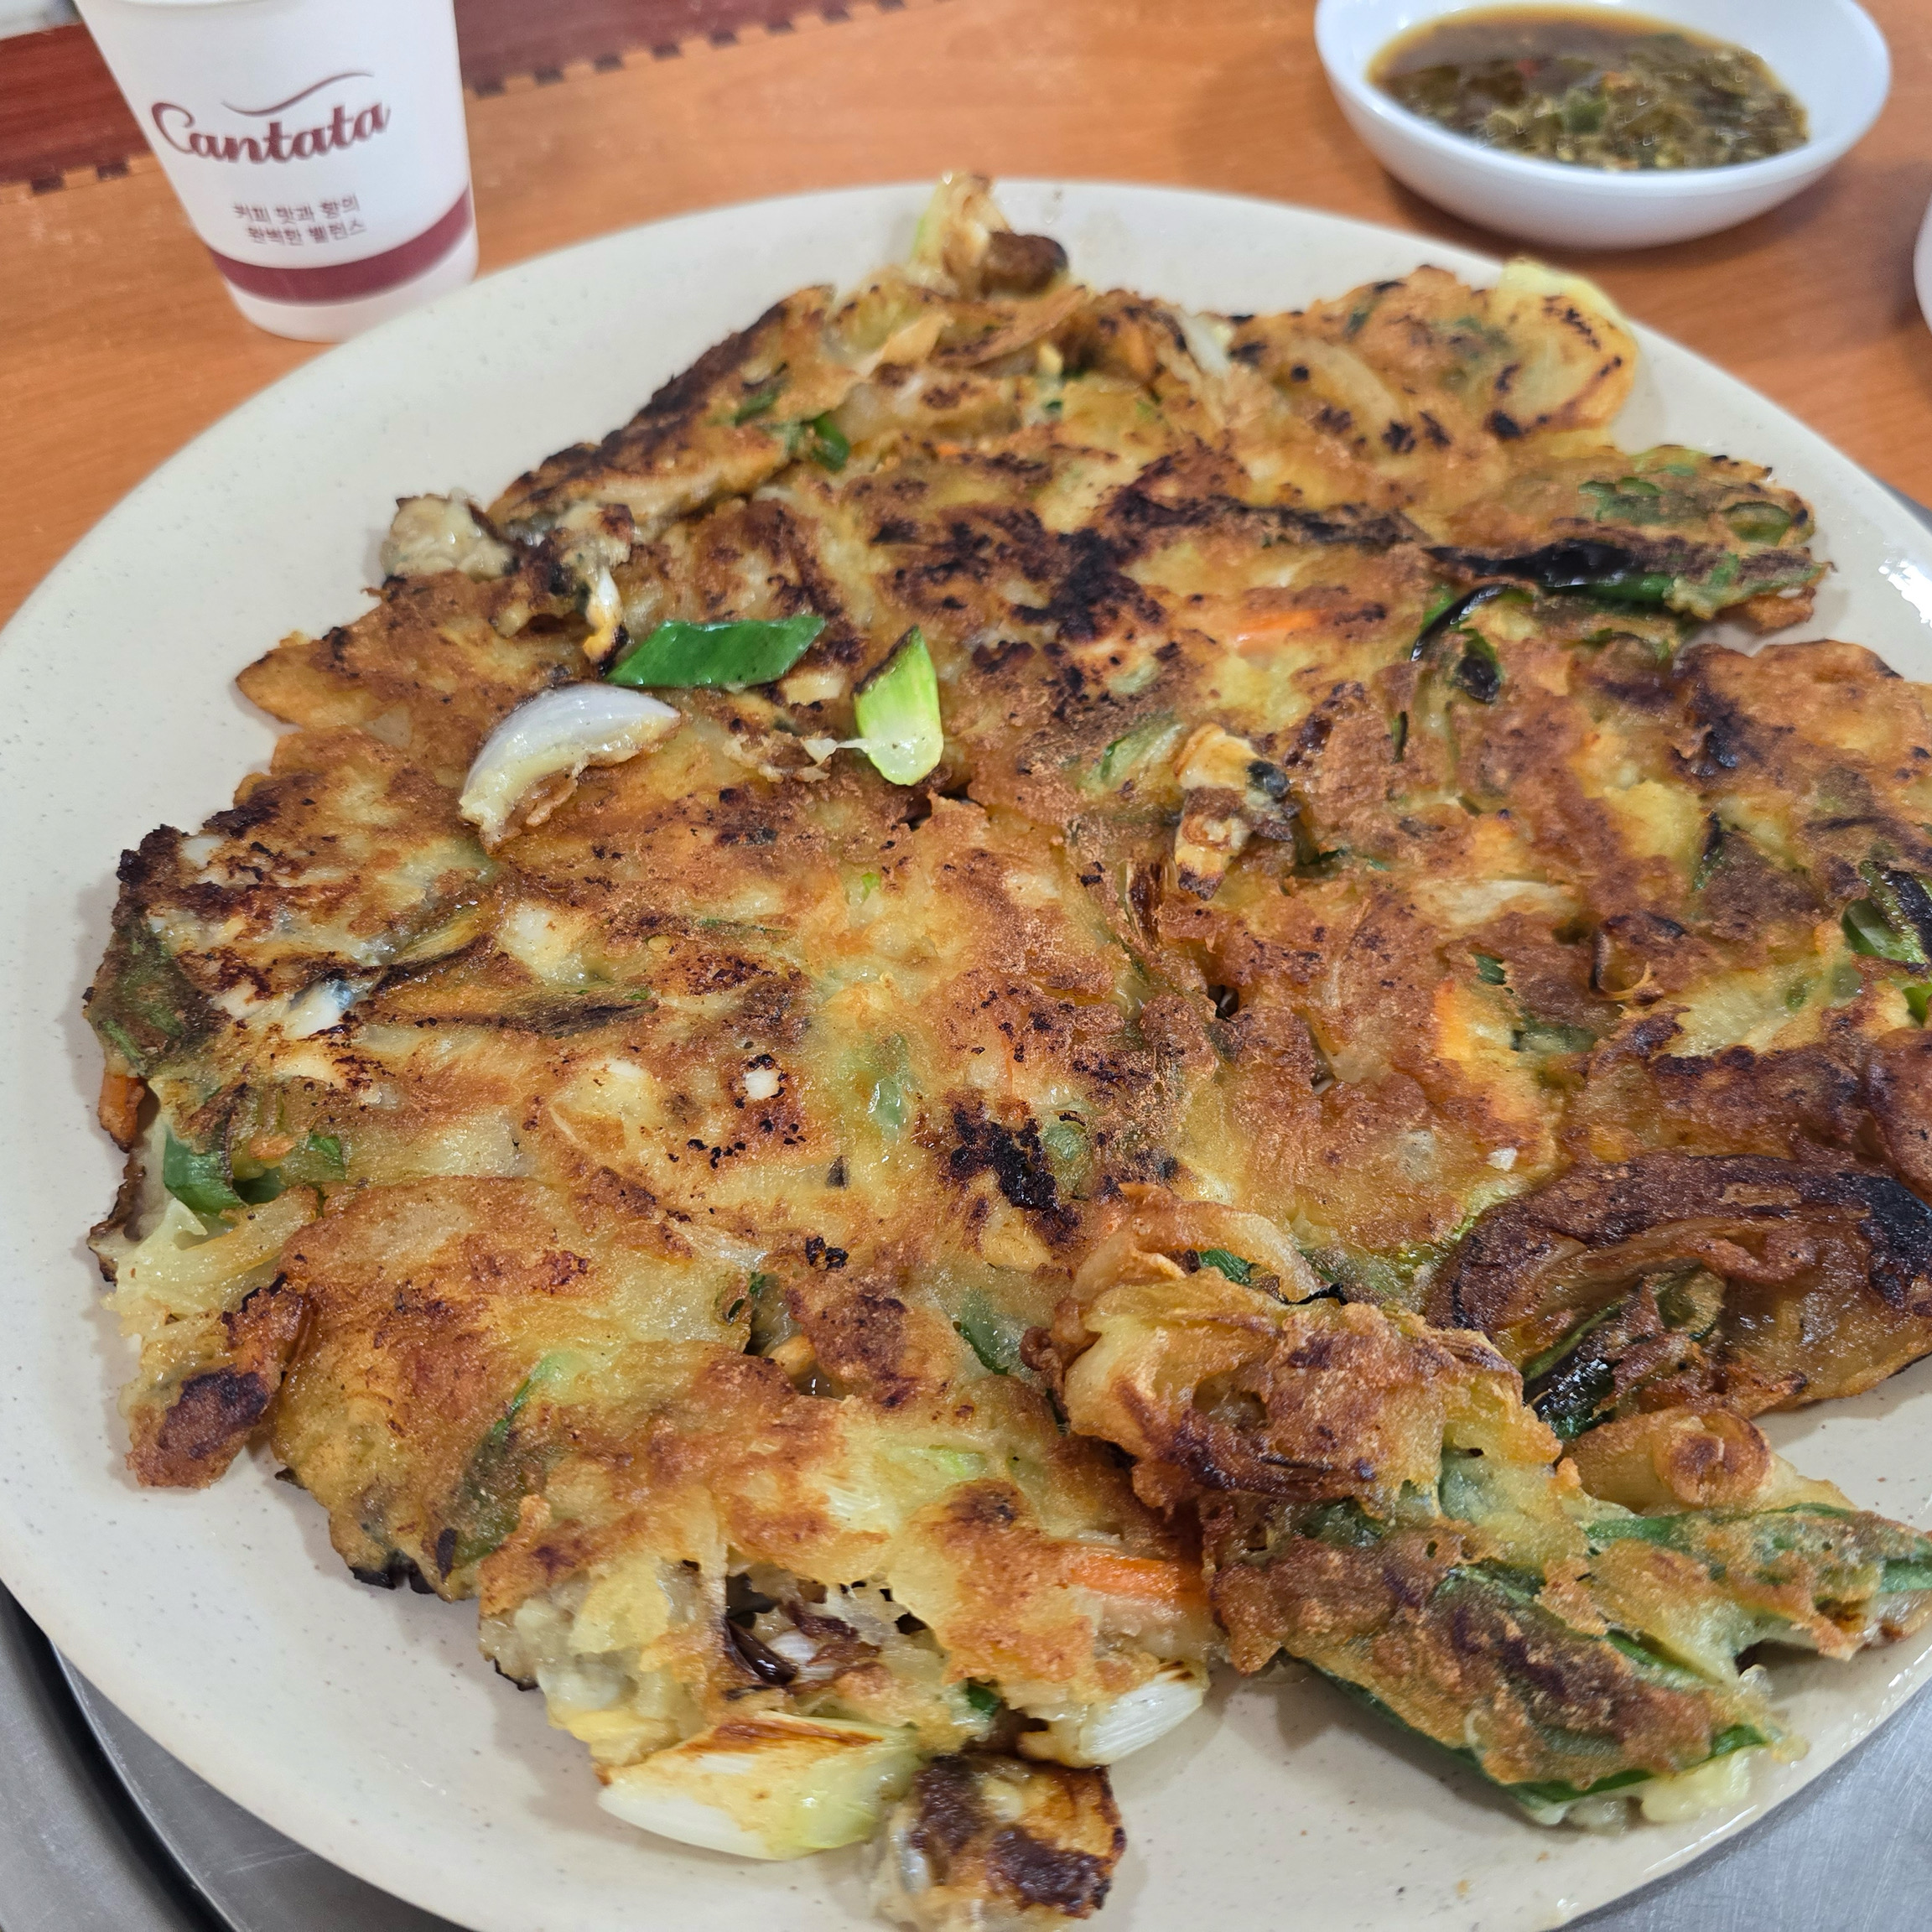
366 1725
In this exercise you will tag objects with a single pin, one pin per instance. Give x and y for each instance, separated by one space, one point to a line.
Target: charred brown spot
211 1410
1447 1641
1074 1883
1020 264
763 1663
1059 1855
1015 1156
392 1574
947 1796
1847 1252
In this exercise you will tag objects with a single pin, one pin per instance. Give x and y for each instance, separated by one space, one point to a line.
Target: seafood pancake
843 1062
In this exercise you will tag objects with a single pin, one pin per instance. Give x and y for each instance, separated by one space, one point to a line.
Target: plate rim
200 1745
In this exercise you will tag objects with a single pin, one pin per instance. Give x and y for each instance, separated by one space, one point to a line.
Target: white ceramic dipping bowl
1827 52
1922 268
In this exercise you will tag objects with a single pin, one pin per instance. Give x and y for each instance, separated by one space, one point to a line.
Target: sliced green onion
214 1184
746 650
1758 523
1440 599
890 1073
1489 969
1919 1001
1551 1036
898 715
992 1338
1907 906
1634 500
1132 748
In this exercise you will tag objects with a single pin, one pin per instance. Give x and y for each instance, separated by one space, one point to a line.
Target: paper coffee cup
318 146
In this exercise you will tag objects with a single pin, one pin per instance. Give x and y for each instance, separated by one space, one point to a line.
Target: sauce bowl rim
1863 54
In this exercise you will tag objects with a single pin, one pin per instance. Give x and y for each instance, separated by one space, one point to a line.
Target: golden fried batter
1351 886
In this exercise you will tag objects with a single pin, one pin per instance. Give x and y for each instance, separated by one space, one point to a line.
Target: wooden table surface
118 341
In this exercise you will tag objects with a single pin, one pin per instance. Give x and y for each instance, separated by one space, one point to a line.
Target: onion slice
551 738
768 1784
1100 1733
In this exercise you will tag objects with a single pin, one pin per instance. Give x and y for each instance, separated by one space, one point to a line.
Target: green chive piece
1867 931
746 650
898 714
1632 587
1238 1270
1489 970
1919 1001
983 1698
143 1004
759 401
197 1181
318 1159
830 445
501 1471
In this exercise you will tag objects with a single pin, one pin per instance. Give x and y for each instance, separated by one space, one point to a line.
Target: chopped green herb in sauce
1565 84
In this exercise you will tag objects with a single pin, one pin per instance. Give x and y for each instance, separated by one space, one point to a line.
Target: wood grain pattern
60 110
117 342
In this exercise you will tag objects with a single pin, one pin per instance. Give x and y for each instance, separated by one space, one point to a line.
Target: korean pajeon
1033 991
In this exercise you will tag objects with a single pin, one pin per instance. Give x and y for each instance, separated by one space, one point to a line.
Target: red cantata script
179 127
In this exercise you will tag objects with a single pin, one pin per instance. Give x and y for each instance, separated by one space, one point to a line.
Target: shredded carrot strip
1263 624
1111 1574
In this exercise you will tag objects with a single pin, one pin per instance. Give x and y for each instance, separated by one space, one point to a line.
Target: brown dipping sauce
1592 88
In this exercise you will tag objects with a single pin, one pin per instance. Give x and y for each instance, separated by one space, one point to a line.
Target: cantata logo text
180 128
